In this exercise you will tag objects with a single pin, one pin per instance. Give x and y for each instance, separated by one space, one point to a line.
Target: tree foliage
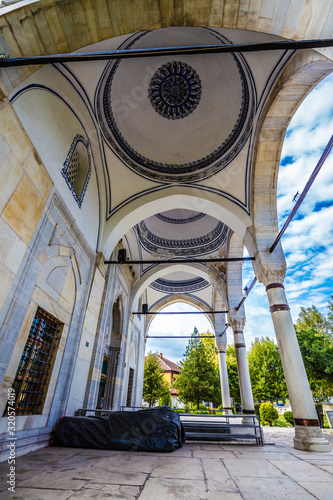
154 384
310 317
268 414
233 373
288 416
317 352
266 372
199 377
315 337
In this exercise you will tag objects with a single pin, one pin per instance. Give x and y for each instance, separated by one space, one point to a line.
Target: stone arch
168 199
301 75
192 301
206 272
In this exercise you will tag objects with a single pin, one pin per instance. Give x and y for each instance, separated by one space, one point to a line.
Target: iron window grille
77 168
35 367
130 387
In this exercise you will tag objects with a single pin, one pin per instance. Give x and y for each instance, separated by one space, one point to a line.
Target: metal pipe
253 282
165 51
304 192
296 207
180 312
179 337
179 261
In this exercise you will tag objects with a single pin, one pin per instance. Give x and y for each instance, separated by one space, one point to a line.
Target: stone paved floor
195 472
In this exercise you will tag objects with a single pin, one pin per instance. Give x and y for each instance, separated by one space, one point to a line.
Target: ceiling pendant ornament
175 90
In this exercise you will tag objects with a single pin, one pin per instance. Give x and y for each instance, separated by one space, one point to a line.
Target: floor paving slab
36 494
174 489
256 468
279 488
128 463
108 476
261 456
56 480
178 468
216 495
322 491
213 454
302 471
200 471
327 468
181 452
118 492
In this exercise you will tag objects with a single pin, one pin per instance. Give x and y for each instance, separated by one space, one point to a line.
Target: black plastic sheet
154 430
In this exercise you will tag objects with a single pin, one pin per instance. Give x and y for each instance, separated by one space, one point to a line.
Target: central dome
176 120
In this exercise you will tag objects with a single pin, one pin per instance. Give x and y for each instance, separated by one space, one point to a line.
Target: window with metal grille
130 387
35 367
77 168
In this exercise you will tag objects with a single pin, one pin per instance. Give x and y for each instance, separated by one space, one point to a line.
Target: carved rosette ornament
175 90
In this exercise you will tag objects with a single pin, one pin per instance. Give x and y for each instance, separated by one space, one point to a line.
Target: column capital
236 319
221 342
270 267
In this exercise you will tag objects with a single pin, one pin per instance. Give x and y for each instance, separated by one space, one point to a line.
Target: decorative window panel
130 387
35 367
77 168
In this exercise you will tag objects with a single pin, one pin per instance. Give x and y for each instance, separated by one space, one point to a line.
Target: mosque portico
164 157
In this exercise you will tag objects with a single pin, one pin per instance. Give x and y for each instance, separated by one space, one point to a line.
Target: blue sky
308 242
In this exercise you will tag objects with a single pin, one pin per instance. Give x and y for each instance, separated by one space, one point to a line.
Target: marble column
237 322
221 342
308 434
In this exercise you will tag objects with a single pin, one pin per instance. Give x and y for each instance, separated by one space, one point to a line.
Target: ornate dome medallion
175 90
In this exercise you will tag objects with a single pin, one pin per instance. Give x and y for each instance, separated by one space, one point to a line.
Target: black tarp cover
157 429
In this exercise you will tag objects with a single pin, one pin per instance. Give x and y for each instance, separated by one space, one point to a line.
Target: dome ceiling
182 233
176 119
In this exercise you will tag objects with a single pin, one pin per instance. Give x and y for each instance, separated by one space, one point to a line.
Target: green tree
315 337
197 380
267 377
154 384
310 317
233 373
268 414
317 351
330 315
212 355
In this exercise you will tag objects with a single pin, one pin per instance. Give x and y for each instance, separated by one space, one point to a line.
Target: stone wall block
43 27
24 210
25 31
38 174
10 173
55 26
77 12
13 132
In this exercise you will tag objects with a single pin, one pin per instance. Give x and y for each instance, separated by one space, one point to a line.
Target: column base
310 439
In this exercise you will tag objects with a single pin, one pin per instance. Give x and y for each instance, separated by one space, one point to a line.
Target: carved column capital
236 319
221 342
270 267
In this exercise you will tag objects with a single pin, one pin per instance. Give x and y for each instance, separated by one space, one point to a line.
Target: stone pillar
221 343
237 322
243 372
308 434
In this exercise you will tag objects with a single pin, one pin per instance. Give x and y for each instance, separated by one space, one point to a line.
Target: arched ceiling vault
191 134
52 26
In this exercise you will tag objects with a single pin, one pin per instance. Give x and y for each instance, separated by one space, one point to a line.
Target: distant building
171 372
